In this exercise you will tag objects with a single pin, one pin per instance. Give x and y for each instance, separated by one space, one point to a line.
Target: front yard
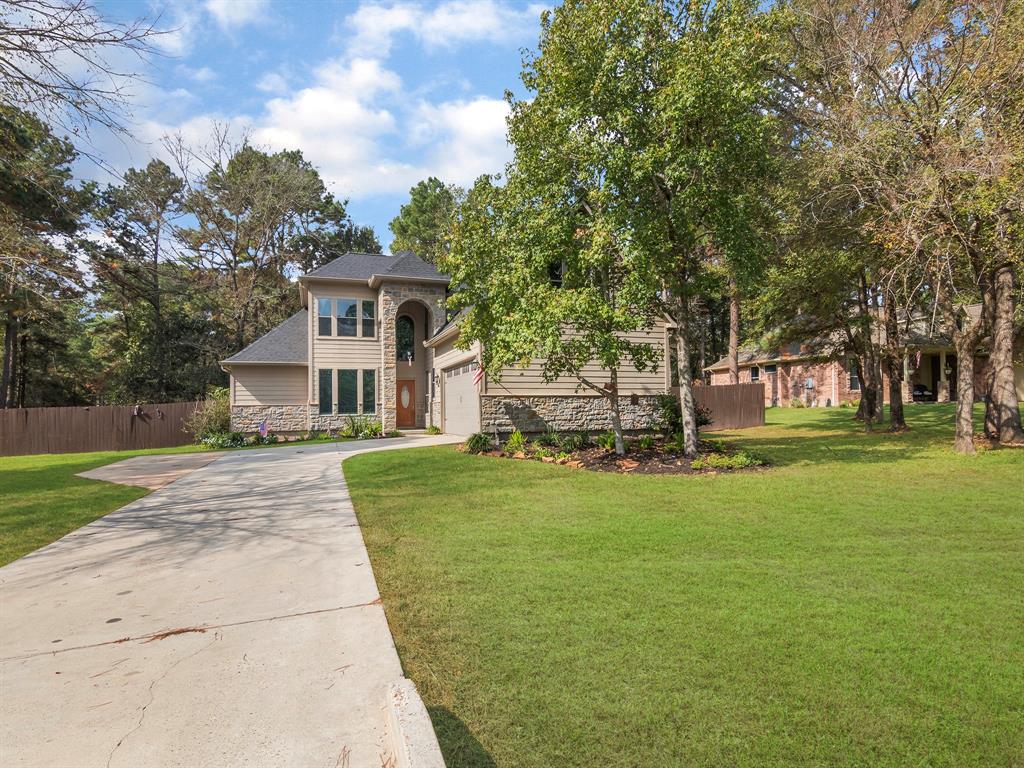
860 603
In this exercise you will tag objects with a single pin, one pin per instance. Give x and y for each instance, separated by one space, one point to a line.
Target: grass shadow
460 747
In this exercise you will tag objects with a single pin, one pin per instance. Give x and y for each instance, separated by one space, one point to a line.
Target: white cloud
231 14
467 138
373 26
272 82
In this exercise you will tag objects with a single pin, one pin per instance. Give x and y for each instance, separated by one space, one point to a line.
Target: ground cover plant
859 604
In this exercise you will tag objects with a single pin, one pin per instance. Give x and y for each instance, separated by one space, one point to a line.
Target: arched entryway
412 382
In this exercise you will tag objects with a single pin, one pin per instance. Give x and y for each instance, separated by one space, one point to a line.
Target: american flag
478 376
263 428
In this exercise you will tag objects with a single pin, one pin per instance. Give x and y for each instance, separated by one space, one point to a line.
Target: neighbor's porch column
942 395
907 390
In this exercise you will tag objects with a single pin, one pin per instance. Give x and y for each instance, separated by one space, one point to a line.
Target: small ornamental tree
541 280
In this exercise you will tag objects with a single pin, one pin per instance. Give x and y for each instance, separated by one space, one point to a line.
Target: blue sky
376 95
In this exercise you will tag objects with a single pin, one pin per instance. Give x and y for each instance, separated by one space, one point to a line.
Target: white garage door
461 400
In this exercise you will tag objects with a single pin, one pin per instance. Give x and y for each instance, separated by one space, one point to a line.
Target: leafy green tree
327 232
424 223
647 132
136 219
539 280
39 211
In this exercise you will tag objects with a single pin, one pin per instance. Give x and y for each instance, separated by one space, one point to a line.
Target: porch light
408 358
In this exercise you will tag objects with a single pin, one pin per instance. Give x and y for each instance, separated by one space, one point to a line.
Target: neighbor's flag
263 428
478 376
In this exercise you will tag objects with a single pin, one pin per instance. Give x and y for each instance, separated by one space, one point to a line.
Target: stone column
392 296
942 395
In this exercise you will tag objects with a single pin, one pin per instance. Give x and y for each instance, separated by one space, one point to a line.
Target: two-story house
373 339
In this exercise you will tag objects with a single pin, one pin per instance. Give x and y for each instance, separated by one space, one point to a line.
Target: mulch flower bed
661 458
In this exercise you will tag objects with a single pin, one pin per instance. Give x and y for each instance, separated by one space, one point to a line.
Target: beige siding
343 352
268 385
447 354
530 380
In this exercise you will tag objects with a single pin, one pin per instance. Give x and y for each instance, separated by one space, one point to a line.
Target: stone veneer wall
565 413
280 418
392 296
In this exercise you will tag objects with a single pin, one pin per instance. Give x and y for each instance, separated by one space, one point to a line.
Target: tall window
369 391
323 307
325 389
346 317
405 338
347 392
755 373
854 378
369 318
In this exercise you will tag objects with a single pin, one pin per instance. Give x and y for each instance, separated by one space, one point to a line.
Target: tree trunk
9 373
687 407
894 366
965 346
613 406
1002 395
734 331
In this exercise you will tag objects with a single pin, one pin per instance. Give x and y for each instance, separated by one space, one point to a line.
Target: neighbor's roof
365 266
286 344
754 356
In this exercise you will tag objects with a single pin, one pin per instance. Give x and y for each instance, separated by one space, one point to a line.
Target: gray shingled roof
363 266
288 343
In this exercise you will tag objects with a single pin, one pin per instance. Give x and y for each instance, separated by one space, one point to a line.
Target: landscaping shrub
223 440
573 441
394 433
516 443
670 414
258 439
211 418
478 443
543 453
606 440
740 460
796 402
433 429
550 438
645 442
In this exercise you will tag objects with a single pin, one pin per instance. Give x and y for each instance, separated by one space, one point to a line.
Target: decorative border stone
281 419
565 413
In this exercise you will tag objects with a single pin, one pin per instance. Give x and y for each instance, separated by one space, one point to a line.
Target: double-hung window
755 373
369 318
854 378
347 317
323 312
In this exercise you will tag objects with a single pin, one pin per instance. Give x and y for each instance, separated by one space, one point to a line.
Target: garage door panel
461 401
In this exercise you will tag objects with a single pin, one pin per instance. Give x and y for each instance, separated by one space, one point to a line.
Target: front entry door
406 416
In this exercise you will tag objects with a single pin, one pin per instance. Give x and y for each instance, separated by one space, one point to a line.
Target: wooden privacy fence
732 406
94 428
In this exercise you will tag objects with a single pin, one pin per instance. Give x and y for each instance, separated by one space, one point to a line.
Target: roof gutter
376 280
451 332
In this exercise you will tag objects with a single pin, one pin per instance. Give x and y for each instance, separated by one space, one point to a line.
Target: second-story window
323 311
346 317
369 318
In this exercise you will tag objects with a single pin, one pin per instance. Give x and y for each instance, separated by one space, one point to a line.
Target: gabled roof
366 266
288 344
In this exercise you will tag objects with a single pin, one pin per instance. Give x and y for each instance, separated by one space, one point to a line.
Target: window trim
755 374
360 319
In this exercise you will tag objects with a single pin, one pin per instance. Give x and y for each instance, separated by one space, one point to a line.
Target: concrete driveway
229 619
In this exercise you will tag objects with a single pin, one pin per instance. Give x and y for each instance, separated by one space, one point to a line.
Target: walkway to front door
406 416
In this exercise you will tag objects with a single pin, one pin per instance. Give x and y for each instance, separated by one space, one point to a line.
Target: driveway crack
152 695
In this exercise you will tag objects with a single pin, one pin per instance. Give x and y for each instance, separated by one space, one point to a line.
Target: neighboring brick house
372 339
796 372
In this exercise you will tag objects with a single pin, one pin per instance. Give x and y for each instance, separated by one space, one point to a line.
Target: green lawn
42 500
861 604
